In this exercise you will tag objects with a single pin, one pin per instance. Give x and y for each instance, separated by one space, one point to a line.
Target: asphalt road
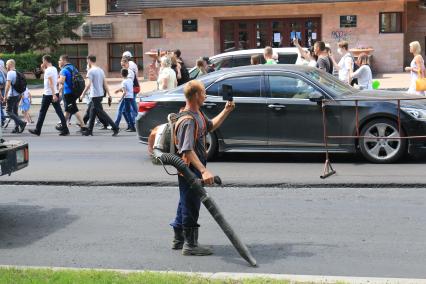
123 160
342 232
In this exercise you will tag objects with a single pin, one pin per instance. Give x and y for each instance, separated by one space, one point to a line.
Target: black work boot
191 246
178 239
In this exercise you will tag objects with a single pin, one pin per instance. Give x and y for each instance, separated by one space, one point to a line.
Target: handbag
420 82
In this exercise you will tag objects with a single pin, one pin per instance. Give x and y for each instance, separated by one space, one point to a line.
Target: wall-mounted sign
190 25
348 21
97 30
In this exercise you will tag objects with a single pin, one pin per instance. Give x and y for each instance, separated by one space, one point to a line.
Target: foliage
28 61
27 25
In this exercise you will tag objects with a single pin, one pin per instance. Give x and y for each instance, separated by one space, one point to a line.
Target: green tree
27 25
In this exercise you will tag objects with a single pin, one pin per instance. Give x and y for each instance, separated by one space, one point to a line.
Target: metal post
328 169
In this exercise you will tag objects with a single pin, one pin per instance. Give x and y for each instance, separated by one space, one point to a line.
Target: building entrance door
256 33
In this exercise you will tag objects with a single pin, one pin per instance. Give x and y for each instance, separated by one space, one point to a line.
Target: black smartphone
227 93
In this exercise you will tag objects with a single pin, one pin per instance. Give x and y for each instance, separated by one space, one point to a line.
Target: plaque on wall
348 21
190 25
97 31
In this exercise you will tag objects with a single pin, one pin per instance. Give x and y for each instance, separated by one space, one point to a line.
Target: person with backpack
51 96
15 87
136 87
190 138
71 84
3 74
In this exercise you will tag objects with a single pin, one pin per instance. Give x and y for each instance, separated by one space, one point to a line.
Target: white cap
127 54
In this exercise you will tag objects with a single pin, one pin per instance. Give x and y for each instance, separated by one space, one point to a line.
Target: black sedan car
279 110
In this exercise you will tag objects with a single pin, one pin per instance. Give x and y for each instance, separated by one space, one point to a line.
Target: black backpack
77 81
20 83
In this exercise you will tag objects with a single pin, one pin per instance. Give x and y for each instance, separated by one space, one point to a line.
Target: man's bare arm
193 159
220 118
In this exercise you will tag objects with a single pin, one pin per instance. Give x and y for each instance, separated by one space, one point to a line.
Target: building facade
207 27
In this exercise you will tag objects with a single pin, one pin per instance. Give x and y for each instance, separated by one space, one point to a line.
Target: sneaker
16 130
131 130
64 133
86 133
103 128
115 133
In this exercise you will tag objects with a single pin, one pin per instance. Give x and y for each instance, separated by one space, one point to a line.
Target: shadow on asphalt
305 158
268 253
22 225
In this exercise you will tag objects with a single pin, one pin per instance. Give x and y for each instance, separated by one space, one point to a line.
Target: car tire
382 150
211 145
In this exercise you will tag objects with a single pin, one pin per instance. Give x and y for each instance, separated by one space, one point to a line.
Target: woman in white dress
417 64
167 79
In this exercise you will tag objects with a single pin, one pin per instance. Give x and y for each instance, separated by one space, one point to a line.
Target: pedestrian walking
268 54
25 105
167 79
51 96
15 86
130 119
3 76
136 86
417 68
346 63
184 70
126 99
69 92
191 131
323 62
97 86
363 73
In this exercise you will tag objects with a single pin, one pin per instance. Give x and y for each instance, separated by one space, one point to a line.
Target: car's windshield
330 82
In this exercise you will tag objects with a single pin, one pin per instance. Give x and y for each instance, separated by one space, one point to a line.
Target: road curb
241 276
226 185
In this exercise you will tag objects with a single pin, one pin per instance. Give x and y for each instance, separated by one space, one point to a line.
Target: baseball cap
127 54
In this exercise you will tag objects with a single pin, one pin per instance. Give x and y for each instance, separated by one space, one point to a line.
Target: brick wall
416 29
389 48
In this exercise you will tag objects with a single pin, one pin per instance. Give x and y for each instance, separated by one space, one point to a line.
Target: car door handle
209 105
277 106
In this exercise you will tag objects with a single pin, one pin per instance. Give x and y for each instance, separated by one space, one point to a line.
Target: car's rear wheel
211 146
380 144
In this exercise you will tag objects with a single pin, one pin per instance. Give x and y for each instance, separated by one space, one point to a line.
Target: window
155 28
289 58
247 87
391 22
244 60
112 6
74 6
289 88
116 51
77 54
222 62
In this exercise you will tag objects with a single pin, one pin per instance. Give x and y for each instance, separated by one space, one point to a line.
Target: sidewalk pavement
388 81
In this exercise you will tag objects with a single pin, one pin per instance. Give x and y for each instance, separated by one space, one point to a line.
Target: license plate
20 156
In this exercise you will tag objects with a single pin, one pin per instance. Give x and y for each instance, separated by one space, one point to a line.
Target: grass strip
47 276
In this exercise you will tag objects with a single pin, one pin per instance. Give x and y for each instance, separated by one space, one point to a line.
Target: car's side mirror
316 97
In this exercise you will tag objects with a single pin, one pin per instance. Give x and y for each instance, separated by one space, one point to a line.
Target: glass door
278 32
263 31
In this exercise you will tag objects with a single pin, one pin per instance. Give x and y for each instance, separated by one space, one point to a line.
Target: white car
286 55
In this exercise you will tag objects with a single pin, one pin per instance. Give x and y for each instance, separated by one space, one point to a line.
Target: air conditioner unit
422 4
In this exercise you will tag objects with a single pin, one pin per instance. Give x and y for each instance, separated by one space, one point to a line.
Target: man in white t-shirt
50 97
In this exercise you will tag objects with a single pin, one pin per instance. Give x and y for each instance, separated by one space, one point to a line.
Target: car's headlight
417 113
